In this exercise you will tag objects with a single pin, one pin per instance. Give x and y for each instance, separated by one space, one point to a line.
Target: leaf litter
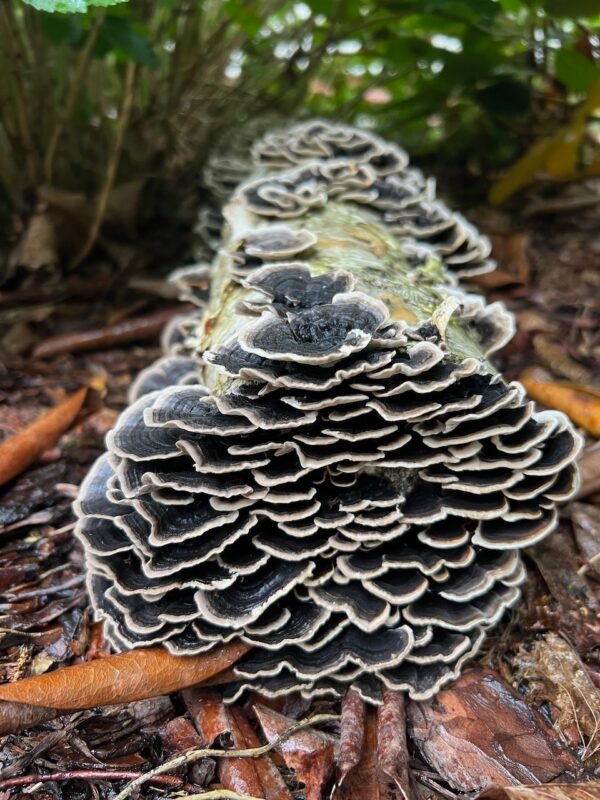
522 727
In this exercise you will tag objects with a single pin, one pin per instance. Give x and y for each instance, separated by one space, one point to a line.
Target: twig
80 72
218 794
195 755
113 164
145 326
87 775
46 591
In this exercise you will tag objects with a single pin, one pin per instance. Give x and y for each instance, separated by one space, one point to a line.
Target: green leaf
321 6
478 61
119 34
468 9
575 71
572 8
249 20
70 6
511 6
66 28
506 97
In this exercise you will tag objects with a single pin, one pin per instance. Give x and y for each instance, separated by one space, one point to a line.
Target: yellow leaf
521 173
556 155
592 100
561 156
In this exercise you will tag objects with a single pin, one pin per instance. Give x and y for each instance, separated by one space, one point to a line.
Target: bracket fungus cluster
325 465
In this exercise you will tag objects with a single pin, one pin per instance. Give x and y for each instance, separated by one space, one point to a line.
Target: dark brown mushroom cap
353 498
321 334
222 174
292 285
321 140
171 370
192 283
405 201
232 532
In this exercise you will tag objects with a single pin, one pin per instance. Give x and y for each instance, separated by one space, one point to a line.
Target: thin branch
113 165
87 775
22 41
81 69
219 794
195 755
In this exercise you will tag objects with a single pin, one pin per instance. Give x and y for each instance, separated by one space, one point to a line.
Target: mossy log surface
350 239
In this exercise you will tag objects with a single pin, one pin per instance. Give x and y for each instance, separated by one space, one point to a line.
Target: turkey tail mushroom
327 466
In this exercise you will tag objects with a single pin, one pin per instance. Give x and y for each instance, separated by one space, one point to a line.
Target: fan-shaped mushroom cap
351 495
425 539
192 283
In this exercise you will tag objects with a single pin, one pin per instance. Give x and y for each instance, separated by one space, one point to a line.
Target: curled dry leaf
583 408
352 735
510 251
273 785
556 791
362 780
222 726
122 678
392 750
557 675
38 246
24 448
577 611
589 471
555 357
479 733
373 756
179 736
19 716
585 519
59 223
308 752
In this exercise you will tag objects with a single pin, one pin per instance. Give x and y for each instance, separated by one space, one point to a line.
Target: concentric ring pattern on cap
326 466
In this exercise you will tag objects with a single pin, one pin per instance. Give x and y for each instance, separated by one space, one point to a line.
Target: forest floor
526 712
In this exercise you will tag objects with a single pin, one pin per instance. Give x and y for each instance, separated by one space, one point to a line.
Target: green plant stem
79 75
113 164
17 87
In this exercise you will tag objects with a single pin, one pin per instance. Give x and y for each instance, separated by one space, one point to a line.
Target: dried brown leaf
556 791
178 735
376 764
24 448
352 734
557 675
308 752
556 358
585 519
362 780
510 251
582 407
228 727
273 785
478 733
121 678
589 470
392 750
37 246
576 606
216 728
